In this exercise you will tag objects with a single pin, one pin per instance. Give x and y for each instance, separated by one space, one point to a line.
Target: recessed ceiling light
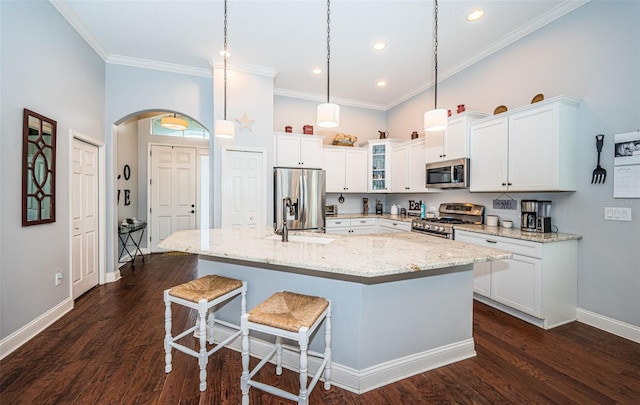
381 83
316 71
378 46
475 15
225 54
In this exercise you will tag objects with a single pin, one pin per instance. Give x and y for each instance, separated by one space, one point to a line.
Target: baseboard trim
27 332
361 381
113 276
610 325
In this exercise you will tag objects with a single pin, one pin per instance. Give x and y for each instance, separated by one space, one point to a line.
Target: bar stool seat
291 316
202 295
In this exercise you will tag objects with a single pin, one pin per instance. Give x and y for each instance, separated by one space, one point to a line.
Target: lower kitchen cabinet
538 284
353 226
389 225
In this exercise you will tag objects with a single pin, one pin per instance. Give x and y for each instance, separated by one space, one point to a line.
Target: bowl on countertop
507 224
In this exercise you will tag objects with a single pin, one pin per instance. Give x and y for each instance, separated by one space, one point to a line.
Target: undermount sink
303 238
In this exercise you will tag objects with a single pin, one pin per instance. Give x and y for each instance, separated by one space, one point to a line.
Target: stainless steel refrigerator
304 191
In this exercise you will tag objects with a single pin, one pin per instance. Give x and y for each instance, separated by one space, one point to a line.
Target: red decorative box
307 129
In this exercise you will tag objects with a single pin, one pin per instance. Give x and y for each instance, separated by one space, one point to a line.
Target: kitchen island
402 302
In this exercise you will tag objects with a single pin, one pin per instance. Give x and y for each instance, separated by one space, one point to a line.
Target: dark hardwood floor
109 350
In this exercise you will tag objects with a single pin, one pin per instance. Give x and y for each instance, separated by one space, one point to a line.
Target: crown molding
155 65
246 68
72 18
323 98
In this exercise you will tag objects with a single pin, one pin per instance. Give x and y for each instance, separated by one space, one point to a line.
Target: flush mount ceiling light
475 15
316 71
225 128
378 46
174 123
381 83
328 114
436 119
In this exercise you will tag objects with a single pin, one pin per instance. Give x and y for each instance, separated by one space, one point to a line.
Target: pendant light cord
225 60
328 44
435 37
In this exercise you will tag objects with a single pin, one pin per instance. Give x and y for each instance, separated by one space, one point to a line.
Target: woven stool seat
288 311
287 315
207 287
203 295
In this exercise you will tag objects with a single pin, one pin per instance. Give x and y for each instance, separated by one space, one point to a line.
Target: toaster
331 210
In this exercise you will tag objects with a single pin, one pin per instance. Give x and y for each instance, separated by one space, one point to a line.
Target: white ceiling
290 38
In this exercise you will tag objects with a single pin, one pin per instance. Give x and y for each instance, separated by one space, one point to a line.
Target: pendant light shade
328 114
224 128
175 123
436 119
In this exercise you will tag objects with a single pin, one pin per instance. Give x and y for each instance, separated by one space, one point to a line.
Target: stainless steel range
450 214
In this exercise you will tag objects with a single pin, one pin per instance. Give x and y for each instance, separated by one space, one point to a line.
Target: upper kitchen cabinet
298 150
380 164
452 143
408 173
346 169
531 148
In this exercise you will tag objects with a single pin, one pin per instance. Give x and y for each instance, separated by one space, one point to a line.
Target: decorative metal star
245 122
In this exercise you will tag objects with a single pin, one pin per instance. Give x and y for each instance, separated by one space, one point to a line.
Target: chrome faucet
286 202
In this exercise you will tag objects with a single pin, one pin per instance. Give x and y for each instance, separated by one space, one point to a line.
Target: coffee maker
536 216
543 219
529 211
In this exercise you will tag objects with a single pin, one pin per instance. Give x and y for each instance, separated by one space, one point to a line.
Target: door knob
193 211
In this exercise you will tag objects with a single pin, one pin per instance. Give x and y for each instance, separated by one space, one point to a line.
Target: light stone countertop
365 256
516 233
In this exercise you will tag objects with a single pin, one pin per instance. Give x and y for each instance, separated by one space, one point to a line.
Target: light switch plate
617 214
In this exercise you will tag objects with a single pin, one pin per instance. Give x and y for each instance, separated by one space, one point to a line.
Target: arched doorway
141 177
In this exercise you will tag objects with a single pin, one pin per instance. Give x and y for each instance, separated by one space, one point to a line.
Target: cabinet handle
509 184
491 241
504 184
394 224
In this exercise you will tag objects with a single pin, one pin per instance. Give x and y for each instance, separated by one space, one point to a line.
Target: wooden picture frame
38 169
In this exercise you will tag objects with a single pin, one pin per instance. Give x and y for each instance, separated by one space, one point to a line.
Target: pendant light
436 119
328 114
225 128
174 123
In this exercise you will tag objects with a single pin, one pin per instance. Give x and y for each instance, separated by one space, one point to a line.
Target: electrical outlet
58 278
617 214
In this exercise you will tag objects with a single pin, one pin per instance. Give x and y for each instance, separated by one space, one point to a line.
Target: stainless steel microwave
448 174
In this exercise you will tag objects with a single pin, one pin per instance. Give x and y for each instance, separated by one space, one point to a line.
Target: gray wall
593 54
51 71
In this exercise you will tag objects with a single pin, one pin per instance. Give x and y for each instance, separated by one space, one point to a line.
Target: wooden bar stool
291 316
202 295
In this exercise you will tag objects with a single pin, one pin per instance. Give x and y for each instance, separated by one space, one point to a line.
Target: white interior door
173 191
85 234
243 189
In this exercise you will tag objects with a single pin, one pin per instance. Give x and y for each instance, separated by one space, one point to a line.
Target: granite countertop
356 255
404 218
516 233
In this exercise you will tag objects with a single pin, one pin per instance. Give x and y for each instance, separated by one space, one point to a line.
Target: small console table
125 233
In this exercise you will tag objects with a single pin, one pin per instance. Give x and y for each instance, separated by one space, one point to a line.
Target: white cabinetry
346 169
408 171
540 279
298 150
389 225
531 148
453 142
353 226
380 169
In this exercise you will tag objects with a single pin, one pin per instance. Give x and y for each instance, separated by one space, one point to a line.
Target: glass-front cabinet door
379 164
